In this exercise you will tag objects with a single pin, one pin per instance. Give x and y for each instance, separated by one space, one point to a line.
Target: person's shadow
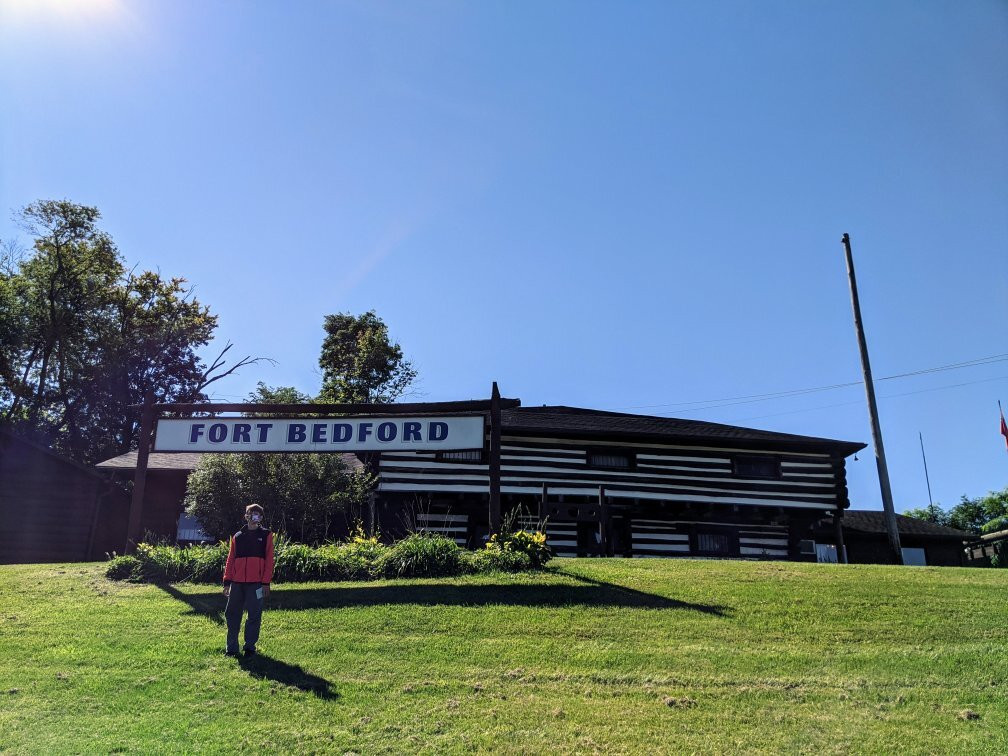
257 665
267 668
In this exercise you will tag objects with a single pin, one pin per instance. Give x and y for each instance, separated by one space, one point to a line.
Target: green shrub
208 562
532 545
422 555
164 563
344 562
363 546
360 558
490 560
295 561
124 568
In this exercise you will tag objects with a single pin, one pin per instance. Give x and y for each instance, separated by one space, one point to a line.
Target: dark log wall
872 548
662 472
668 501
47 505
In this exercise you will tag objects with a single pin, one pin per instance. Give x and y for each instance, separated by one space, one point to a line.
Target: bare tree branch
207 378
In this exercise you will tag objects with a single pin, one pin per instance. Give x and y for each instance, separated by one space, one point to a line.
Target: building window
714 543
470 456
806 547
756 467
611 460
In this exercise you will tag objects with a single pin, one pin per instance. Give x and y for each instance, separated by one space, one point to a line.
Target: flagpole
926 477
1004 428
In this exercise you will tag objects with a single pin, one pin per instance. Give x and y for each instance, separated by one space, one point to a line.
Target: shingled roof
577 421
184 461
873 521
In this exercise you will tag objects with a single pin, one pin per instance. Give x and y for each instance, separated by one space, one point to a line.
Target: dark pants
243 598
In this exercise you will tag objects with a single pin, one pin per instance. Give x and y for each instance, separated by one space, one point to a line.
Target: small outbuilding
924 543
54 509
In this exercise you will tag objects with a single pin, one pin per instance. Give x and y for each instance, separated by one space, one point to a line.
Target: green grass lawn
623 656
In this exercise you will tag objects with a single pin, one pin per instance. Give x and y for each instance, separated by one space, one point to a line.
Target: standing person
247 577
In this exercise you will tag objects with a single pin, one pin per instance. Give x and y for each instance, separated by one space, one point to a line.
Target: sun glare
66 12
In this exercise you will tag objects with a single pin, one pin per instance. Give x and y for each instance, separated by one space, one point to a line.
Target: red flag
1004 427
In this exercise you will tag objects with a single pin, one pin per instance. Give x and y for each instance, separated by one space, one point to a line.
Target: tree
264 394
304 495
84 337
360 363
931 513
984 514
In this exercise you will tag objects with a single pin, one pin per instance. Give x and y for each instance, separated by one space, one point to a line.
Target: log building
617 484
605 483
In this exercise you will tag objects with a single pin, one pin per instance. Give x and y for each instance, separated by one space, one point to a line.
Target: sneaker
249 651
230 653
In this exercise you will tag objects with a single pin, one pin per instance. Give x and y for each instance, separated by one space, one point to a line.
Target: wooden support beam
604 539
371 514
841 548
140 476
411 408
495 459
794 538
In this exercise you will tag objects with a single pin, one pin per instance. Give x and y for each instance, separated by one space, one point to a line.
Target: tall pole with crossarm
880 460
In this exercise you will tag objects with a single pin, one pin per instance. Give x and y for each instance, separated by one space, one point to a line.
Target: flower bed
360 558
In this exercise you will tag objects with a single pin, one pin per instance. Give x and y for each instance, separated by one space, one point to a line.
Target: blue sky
628 206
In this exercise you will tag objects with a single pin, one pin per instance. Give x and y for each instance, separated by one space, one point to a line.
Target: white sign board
342 434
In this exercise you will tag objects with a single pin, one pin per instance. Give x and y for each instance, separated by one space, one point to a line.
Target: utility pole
880 460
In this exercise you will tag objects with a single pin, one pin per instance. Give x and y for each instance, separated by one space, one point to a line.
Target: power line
886 396
752 398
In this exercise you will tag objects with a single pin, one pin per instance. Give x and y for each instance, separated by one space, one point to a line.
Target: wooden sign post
366 429
140 476
495 461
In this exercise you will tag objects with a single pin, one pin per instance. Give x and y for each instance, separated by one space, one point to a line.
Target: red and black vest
250 558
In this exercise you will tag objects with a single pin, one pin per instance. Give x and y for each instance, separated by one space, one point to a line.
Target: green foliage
984 514
125 567
295 561
995 525
360 363
422 555
264 394
513 539
164 563
532 545
304 495
85 337
1000 556
498 560
217 493
932 513
361 557
362 546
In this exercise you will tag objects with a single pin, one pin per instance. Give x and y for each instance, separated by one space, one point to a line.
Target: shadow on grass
211 607
267 668
589 592
259 665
